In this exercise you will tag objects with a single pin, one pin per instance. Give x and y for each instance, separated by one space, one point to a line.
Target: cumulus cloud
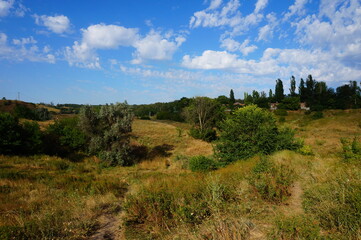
5 7
260 5
298 8
231 45
266 32
58 24
24 49
154 46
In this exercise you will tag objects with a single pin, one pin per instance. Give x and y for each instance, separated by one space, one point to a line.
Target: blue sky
147 51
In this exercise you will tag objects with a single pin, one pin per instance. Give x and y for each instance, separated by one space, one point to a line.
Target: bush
249 131
296 227
10 134
317 115
281 112
108 131
351 149
201 164
207 135
305 150
272 181
64 137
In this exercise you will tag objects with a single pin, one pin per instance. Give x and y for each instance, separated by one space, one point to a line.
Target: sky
146 51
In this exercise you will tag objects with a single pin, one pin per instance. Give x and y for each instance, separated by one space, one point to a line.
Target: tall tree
279 93
293 86
231 97
310 90
302 90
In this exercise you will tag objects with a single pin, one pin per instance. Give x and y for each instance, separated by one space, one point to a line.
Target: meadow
314 193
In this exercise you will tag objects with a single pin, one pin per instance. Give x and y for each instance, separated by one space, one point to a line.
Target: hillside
313 195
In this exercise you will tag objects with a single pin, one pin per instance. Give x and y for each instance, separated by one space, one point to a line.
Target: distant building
273 106
238 104
303 106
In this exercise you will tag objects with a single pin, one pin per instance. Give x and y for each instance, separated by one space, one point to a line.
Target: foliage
281 112
305 150
10 134
108 131
290 103
250 131
272 181
201 164
317 115
279 94
207 135
296 227
64 137
351 149
32 138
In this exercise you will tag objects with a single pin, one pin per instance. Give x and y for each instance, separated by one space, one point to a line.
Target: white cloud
24 49
277 63
58 24
266 32
298 8
260 5
154 46
5 7
103 36
233 46
214 4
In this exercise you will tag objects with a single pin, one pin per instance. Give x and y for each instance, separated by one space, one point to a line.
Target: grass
43 197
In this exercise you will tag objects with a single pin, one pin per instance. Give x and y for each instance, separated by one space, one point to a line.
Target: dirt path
110 228
293 206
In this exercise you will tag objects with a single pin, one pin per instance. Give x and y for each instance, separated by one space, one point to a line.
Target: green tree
108 131
302 90
10 134
249 131
293 86
279 92
231 97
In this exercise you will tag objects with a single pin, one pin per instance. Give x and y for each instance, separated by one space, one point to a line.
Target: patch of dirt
109 228
293 206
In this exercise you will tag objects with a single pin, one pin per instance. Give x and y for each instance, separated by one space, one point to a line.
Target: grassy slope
80 194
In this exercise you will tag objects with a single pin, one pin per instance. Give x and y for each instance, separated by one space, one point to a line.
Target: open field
315 196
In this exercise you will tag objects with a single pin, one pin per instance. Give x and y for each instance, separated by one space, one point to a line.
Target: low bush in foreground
272 181
201 164
351 149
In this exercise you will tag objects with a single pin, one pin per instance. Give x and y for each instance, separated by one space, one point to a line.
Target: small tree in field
249 131
108 131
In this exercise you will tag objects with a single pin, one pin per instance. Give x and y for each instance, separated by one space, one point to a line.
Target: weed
201 164
296 227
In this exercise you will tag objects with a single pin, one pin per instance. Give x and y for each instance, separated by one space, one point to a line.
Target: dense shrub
249 131
351 149
10 134
201 164
64 137
281 112
317 115
206 134
108 131
290 103
272 181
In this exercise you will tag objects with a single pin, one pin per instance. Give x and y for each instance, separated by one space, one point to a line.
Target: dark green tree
302 90
231 97
279 92
293 86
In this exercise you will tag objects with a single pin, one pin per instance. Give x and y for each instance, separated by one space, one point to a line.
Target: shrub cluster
16 138
108 131
351 149
249 131
201 164
207 134
272 181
